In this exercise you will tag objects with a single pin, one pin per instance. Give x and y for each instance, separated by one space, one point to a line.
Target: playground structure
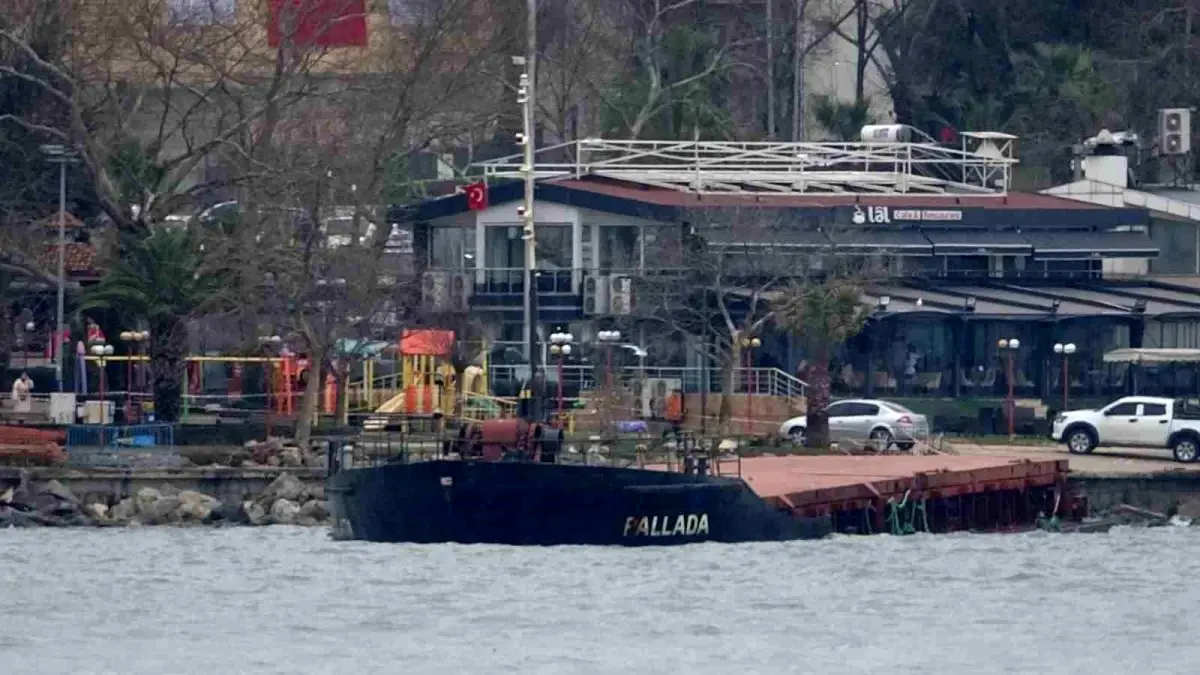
429 383
415 377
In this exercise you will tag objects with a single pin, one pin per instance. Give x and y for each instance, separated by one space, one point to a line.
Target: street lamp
132 340
749 344
102 351
269 344
62 156
560 346
1065 350
1009 347
24 343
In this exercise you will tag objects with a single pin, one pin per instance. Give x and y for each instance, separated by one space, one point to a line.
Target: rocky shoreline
286 501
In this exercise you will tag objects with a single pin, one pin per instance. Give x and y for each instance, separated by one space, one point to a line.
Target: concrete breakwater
286 500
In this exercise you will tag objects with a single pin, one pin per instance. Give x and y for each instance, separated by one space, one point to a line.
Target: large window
452 248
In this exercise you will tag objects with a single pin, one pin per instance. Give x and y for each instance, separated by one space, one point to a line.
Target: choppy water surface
288 600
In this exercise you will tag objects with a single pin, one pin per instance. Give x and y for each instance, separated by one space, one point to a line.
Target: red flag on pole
477 196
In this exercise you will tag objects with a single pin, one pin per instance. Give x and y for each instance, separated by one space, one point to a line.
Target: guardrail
128 446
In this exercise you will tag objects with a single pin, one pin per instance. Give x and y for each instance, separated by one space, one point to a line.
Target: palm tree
161 280
844 120
823 314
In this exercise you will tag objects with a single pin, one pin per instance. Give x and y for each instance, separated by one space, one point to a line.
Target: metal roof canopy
714 167
1152 356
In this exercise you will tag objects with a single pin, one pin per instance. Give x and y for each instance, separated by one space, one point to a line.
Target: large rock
230 513
123 511
163 511
145 499
286 486
284 511
291 457
315 509
256 514
195 506
59 491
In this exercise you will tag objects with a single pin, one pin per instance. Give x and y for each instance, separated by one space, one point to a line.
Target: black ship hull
532 504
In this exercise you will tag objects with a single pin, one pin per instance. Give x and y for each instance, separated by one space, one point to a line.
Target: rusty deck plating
829 484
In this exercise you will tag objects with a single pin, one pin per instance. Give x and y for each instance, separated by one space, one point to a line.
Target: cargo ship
506 482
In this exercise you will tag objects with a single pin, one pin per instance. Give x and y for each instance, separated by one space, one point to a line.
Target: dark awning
782 238
1090 245
978 242
902 242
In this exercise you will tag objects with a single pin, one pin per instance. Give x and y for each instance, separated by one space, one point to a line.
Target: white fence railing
577 377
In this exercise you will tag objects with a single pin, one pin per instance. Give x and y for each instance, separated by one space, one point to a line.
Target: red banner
323 23
477 196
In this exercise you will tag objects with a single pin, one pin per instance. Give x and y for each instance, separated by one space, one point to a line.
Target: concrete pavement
1102 462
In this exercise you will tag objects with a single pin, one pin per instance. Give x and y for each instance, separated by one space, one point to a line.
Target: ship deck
829 485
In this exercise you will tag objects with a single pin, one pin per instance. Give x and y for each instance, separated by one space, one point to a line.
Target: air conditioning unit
1174 131
460 291
620 295
595 295
652 398
434 289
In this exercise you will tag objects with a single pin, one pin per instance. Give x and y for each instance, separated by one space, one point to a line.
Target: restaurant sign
878 215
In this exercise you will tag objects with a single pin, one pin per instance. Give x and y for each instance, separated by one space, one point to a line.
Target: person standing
21 394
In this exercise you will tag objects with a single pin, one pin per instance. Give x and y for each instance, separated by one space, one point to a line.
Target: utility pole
62 156
526 97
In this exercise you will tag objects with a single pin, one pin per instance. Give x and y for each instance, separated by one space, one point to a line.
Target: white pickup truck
1133 421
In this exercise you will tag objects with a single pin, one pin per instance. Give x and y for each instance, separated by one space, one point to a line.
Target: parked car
862 422
1133 421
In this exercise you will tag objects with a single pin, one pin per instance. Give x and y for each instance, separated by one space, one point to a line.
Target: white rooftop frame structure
981 167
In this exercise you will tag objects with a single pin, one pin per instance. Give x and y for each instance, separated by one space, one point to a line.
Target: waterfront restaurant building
968 261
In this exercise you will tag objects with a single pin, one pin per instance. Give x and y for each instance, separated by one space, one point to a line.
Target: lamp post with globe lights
1009 347
1065 350
132 339
24 342
608 338
270 345
102 351
749 344
560 346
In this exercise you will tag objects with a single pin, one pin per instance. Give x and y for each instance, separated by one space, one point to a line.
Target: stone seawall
1165 492
209 496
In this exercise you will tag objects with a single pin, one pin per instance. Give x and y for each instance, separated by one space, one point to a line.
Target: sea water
289 600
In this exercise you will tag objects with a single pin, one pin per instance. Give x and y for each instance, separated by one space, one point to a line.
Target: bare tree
148 98
733 266
320 214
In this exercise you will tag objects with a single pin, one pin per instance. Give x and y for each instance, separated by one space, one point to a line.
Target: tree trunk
728 385
168 345
799 110
862 54
308 403
341 377
819 392
770 70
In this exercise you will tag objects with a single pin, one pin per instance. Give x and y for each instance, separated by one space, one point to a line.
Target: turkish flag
477 196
